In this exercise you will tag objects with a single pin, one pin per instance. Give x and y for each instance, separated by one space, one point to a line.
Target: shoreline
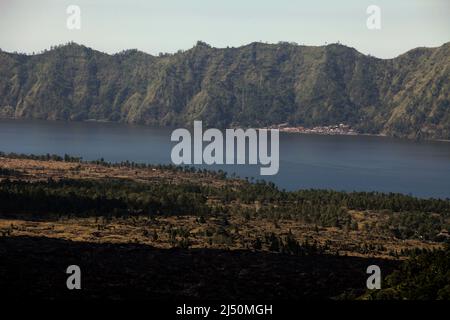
306 131
74 161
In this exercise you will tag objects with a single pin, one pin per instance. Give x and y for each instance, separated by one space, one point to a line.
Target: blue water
349 163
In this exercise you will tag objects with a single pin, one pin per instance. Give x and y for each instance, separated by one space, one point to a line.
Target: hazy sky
157 26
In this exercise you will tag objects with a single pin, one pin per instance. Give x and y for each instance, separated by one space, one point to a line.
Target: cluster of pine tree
407 217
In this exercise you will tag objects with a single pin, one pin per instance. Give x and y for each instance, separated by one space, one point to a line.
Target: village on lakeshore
340 129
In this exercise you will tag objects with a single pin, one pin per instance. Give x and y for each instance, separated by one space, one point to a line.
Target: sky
155 26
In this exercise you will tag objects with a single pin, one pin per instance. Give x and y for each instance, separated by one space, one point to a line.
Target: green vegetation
405 217
307 243
9 172
128 164
254 85
425 276
115 197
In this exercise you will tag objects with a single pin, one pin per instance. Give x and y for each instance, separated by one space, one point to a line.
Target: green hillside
254 85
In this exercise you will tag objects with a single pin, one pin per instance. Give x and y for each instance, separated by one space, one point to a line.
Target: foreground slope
164 232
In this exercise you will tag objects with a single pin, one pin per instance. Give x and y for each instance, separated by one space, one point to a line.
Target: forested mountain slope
254 85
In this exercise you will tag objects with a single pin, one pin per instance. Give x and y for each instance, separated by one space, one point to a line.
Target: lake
348 163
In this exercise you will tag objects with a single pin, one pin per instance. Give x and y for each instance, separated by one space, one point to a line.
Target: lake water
361 163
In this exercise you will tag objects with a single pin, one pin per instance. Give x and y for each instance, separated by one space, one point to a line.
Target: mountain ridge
254 85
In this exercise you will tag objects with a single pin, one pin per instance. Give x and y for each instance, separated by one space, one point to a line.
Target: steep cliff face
254 85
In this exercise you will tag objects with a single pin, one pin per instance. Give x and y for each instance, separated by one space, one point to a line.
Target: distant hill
254 85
